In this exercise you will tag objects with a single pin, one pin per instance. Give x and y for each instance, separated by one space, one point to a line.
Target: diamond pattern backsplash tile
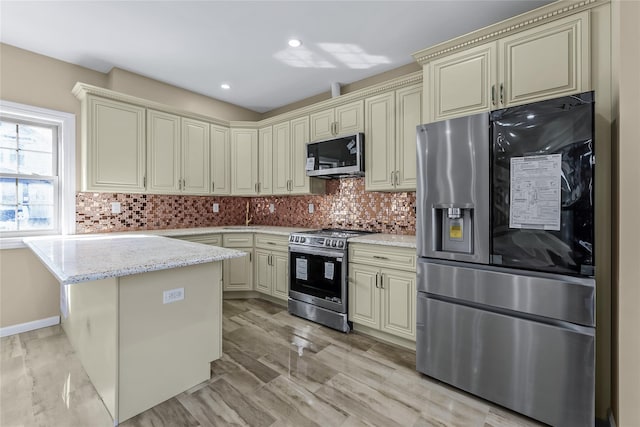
344 205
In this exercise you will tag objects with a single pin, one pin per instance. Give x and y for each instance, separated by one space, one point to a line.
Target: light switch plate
272 208
311 208
116 208
216 207
172 295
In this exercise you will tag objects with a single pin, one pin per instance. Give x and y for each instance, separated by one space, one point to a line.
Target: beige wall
28 291
626 17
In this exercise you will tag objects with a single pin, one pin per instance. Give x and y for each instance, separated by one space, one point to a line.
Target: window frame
66 168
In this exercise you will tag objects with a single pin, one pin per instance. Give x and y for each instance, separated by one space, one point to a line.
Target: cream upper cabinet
244 162
163 152
289 159
380 297
344 119
461 83
390 139
281 158
196 167
220 160
408 117
379 141
265 160
544 62
113 142
177 154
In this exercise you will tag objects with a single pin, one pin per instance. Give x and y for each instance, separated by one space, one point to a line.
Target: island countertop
83 258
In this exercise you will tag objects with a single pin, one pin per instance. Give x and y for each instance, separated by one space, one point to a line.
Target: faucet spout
247 217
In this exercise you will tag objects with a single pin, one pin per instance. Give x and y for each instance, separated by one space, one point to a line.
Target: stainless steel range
318 276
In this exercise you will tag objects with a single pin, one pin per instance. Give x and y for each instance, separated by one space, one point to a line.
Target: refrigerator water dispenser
455 232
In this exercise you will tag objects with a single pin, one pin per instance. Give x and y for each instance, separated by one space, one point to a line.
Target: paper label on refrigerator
455 229
311 162
328 270
301 268
535 192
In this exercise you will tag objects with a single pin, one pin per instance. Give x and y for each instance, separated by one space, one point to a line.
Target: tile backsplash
344 205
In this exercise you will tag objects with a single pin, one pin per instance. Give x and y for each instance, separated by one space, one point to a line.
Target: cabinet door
364 295
263 274
463 83
220 160
349 118
408 116
244 162
195 157
321 125
163 152
398 311
114 147
280 267
546 62
380 142
265 160
281 158
237 273
299 139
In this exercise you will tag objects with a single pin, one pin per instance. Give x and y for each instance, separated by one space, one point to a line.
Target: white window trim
66 161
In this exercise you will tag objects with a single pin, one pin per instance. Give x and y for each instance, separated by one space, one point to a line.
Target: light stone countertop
386 240
88 257
265 229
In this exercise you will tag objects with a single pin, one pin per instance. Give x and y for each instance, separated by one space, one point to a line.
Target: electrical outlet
172 295
272 208
311 209
115 208
216 208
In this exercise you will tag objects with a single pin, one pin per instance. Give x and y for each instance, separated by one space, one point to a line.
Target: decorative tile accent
345 205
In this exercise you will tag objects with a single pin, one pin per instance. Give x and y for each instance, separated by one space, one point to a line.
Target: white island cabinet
143 313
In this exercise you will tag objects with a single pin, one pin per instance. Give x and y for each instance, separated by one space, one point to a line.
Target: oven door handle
315 251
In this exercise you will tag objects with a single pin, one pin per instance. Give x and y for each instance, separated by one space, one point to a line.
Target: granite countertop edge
397 240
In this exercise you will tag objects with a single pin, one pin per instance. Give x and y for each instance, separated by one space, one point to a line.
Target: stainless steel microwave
338 157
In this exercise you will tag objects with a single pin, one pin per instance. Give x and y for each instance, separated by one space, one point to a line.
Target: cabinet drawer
383 256
207 239
272 242
237 240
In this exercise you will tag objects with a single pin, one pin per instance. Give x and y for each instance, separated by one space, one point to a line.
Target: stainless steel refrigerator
505 240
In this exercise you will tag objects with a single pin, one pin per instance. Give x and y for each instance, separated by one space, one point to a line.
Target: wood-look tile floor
277 370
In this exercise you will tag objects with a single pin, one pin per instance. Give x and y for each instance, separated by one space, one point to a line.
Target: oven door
317 276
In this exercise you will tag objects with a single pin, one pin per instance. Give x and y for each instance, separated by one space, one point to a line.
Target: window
37 168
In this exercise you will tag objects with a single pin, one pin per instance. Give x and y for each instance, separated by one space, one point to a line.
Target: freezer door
552 296
452 195
543 371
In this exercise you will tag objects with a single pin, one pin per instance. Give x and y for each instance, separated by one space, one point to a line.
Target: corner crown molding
81 90
551 12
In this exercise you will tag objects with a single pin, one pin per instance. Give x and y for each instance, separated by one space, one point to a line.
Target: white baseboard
29 326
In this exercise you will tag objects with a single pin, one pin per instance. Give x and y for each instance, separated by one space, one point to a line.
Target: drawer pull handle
380 257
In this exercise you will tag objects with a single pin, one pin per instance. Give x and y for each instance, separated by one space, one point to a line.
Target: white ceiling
198 45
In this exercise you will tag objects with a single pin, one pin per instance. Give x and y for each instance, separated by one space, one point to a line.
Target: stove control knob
297 239
303 239
333 243
341 244
291 238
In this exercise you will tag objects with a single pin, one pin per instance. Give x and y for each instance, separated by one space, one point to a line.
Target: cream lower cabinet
345 119
381 297
544 62
391 120
237 273
113 146
244 162
272 265
220 160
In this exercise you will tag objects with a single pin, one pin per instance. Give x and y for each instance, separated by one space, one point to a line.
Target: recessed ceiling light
225 86
295 43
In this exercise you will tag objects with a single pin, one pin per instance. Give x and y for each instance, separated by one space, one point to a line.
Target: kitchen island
143 313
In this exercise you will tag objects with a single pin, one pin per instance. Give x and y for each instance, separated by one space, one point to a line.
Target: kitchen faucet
247 218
